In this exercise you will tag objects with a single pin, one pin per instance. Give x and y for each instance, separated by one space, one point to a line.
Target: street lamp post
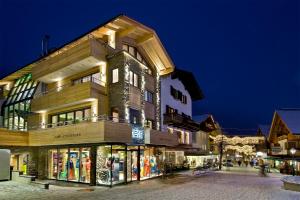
293 151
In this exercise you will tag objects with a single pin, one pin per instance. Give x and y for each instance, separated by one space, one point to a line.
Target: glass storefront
115 164
20 162
151 162
110 168
114 160
69 164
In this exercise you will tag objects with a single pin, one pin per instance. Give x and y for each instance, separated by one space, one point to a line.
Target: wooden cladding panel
75 54
66 96
13 138
85 132
89 132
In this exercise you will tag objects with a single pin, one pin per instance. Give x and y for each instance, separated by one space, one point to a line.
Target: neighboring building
178 91
201 154
90 111
285 134
240 145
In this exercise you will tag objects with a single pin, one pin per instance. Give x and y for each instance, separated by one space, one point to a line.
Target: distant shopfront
113 163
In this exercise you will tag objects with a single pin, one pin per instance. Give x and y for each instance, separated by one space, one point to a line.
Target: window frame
115 75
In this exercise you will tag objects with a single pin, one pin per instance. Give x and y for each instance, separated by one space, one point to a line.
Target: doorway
132 165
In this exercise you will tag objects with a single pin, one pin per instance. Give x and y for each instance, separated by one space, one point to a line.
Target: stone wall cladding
115 90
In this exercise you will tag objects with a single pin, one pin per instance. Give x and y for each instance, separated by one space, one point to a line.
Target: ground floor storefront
200 161
94 164
284 165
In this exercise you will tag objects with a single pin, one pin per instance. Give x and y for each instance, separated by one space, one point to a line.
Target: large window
17 105
178 95
70 164
70 117
136 54
115 75
95 78
134 116
148 96
133 79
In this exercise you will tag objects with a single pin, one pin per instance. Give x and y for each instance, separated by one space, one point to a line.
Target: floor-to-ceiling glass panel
118 166
70 118
134 165
78 116
160 158
144 163
129 166
104 165
52 164
62 164
85 167
73 164
62 119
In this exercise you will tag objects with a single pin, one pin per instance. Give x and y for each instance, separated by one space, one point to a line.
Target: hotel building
179 89
90 111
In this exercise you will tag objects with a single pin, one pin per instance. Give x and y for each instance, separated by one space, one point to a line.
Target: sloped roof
189 82
145 37
265 129
291 117
200 118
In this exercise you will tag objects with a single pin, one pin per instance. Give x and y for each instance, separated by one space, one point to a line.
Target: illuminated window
149 123
70 117
17 105
115 75
133 79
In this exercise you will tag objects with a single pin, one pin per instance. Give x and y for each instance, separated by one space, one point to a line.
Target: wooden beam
113 28
144 39
126 31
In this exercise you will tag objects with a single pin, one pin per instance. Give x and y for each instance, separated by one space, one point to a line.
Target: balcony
181 121
13 138
67 95
95 130
69 61
80 133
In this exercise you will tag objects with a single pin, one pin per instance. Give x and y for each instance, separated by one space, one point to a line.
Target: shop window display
118 168
151 162
104 163
110 164
52 163
62 164
85 167
72 164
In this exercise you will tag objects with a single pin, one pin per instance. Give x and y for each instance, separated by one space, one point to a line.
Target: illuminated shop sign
138 135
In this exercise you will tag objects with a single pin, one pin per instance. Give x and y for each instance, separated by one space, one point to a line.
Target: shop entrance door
132 165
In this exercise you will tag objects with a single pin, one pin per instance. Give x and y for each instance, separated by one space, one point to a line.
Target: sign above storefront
138 134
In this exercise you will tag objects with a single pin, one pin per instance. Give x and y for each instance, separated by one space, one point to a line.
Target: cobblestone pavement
225 185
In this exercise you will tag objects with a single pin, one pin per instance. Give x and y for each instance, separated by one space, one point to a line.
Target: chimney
45 45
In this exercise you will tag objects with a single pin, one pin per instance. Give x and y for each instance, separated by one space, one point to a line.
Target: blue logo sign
138 135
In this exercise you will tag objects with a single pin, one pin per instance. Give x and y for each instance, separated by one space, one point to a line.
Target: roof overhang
145 38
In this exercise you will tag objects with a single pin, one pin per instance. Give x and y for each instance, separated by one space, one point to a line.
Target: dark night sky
244 54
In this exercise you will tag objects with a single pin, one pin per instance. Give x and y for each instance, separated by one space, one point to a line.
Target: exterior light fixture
293 151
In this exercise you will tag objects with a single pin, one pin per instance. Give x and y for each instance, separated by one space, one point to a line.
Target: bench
44 185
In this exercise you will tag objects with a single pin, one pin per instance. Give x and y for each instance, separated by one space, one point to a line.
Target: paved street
233 184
